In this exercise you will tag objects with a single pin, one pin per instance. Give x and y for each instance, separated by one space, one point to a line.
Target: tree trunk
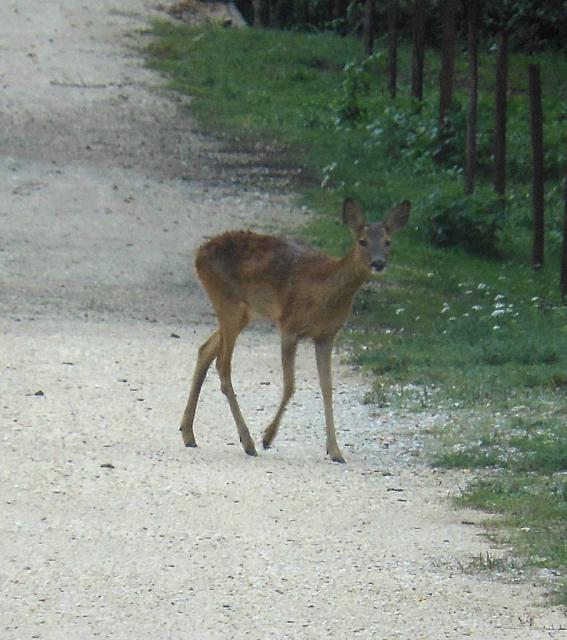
369 25
470 158
448 51
340 14
501 110
281 13
261 13
538 167
418 37
563 280
392 46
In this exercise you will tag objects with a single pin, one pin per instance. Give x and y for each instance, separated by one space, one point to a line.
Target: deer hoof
338 457
251 451
188 439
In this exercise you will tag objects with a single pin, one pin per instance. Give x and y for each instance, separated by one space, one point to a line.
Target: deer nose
378 265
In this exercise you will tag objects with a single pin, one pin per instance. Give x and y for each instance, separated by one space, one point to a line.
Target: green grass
448 330
515 443
523 453
532 512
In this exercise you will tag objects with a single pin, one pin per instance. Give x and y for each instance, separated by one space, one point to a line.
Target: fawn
305 293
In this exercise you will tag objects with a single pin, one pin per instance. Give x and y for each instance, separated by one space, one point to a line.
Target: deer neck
347 278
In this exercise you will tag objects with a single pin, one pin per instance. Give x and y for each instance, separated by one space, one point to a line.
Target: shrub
352 95
471 222
410 131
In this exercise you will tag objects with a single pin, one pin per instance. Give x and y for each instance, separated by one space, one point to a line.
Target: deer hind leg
323 349
208 351
289 349
232 321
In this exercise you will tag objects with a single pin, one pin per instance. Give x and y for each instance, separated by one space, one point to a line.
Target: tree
369 26
501 113
448 52
536 118
564 252
261 13
392 46
281 13
340 14
418 37
470 156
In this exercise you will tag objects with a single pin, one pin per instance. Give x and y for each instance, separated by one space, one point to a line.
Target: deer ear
352 215
398 217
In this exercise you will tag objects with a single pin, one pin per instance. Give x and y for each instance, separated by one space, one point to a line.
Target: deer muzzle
378 265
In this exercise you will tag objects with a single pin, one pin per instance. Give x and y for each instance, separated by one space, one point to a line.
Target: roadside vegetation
462 325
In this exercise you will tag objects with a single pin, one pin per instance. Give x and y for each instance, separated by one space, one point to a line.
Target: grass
482 337
523 453
514 443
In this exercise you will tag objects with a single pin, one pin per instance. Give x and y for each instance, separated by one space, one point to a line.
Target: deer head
372 241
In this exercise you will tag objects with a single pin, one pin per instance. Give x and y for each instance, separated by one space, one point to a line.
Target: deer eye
363 243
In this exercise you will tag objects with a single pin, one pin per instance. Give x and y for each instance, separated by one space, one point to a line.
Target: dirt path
109 528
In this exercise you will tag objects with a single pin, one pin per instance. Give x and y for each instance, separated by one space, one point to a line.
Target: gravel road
109 527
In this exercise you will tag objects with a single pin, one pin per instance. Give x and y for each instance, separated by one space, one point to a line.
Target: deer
303 292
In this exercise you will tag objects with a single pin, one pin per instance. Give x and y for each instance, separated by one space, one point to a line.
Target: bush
404 132
410 131
356 93
354 89
471 222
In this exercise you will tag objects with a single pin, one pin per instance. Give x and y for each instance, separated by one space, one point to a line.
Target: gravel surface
109 527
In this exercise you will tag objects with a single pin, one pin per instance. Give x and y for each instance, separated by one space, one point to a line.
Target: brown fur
306 294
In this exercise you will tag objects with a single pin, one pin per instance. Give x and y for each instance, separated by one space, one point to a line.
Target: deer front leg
208 351
323 349
224 360
289 349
